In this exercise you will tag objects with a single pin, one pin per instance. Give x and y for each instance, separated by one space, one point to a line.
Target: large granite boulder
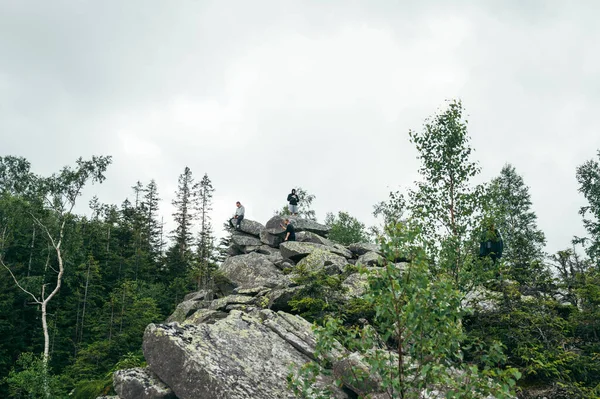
307 236
253 270
361 248
185 309
239 357
332 263
356 285
296 250
140 383
272 240
244 239
273 226
251 227
370 259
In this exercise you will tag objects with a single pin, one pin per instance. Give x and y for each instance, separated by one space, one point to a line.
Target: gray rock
198 295
273 226
272 240
278 299
370 259
341 250
108 397
356 375
268 250
356 285
253 270
244 240
140 383
295 250
361 248
238 357
251 227
307 236
222 303
185 309
253 291
205 316
332 263
311 226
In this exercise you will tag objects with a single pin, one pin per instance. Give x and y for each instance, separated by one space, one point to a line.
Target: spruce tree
186 207
153 226
588 177
206 244
509 203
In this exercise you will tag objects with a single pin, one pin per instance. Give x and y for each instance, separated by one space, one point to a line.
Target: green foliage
415 341
588 177
346 229
321 294
509 207
305 200
391 211
445 202
31 379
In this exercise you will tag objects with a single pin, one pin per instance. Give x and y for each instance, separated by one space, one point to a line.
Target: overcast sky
267 95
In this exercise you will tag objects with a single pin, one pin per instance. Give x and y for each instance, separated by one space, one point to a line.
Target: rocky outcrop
251 227
239 340
332 263
295 250
370 259
140 383
241 356
361 248
253 270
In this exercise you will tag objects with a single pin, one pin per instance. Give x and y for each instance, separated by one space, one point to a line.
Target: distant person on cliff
239 215
491 244
293 199
290 232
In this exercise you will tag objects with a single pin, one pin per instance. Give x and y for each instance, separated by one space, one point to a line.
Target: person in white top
239 215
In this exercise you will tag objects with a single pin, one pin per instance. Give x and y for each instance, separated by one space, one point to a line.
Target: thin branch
43 226
17 283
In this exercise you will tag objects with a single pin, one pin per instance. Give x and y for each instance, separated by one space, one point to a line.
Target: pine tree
206 245
509 203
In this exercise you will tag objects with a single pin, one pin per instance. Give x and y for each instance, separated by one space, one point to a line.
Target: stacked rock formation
239 340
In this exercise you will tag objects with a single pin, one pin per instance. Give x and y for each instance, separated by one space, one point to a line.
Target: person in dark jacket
290 232
293 199
491 244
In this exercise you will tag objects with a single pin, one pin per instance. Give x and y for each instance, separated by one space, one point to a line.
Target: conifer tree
509 203
588 177
186 206
206 245
153 226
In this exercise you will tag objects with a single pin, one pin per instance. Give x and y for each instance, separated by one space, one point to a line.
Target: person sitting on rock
293 199
290 232
236 220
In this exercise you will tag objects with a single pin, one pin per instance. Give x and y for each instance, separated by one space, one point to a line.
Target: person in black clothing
293 199
290 232
491 244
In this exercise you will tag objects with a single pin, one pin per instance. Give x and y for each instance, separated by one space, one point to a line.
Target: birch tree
50 205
